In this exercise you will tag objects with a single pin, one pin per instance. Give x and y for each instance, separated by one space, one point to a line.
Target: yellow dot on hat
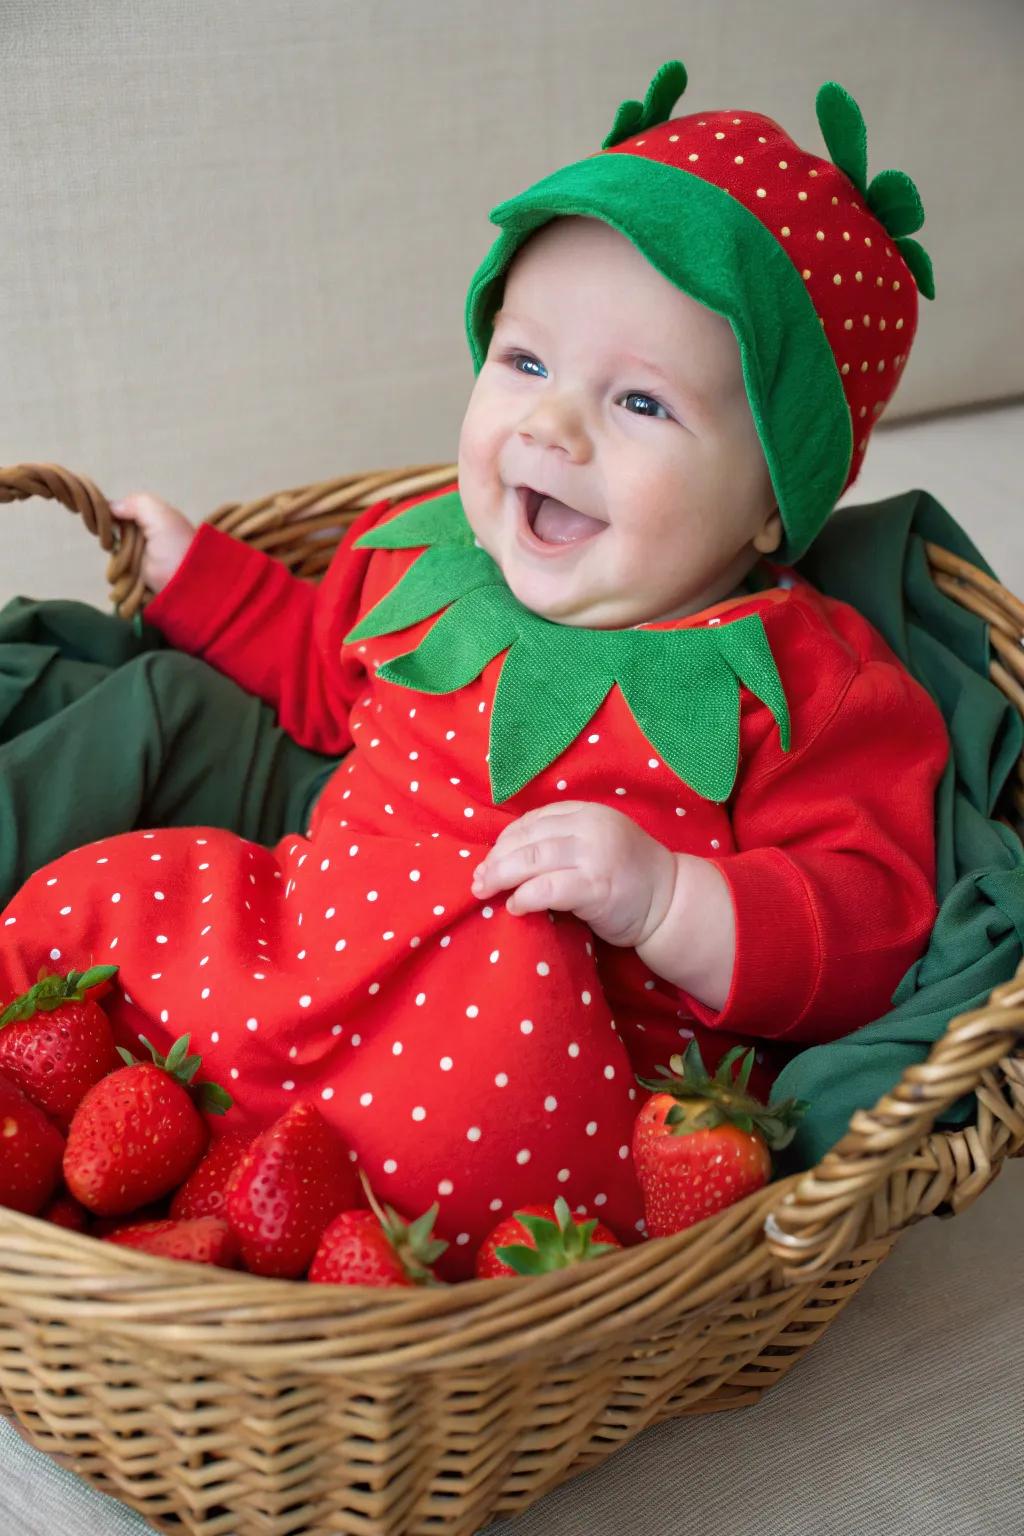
881 325
876 407
837 278
863 367
702 122
812 173
785 229
835 202
878 282
694 157
859 276
821 234
881 365
845 368
673 138
867 319
639 142
737 119
867 240
896 287
761 139
888 250
783 165
899 325
738 160
863 410
802 196
761 192
846 234
806 272
847 325
719 135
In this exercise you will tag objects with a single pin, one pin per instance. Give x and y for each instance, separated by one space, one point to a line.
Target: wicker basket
222 1404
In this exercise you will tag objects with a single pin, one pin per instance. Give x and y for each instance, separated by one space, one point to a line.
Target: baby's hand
167 531
574 856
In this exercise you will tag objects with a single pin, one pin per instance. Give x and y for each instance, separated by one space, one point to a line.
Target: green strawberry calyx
51 992
412 1242
707 1102
559 1243
208 1097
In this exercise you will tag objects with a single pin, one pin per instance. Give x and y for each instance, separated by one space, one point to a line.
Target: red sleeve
275 635
833 880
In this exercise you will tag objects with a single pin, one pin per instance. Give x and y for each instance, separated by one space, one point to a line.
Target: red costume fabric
468 1056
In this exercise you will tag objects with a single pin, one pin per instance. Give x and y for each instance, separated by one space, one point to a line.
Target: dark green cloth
105 728
873 557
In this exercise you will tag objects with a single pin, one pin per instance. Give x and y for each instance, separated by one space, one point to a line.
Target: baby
614 778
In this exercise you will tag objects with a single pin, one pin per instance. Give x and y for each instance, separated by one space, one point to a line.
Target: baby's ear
770 536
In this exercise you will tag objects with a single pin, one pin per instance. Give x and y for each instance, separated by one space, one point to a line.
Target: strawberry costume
468 1056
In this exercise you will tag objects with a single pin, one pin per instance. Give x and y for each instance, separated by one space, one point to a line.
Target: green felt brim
717 251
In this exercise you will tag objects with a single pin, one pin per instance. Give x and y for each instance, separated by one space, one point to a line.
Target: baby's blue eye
523 357
650 400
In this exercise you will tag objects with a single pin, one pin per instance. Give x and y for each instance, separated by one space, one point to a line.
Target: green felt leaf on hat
896 202
662 94
920 264
842 127
681 685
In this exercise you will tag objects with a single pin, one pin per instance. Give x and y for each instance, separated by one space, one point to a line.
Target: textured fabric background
904 1419
238 237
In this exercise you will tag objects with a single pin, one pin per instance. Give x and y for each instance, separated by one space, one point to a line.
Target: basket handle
125 541
827 1213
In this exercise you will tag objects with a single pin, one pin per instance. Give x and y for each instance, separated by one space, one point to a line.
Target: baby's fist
168 534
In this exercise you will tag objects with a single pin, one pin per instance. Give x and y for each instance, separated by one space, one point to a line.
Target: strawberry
540 1238
284 1190
31 1148
376 1247
203 1240
55 1041
702 1143
203 1192
156 1210
139 1132
65 1211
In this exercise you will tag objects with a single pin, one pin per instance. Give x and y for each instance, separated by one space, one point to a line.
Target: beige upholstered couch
237 239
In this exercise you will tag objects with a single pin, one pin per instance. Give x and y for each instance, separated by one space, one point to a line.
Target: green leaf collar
681 685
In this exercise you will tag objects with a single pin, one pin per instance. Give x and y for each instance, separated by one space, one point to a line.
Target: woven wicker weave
222 1404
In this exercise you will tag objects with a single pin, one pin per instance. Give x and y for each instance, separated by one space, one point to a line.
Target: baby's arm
242 611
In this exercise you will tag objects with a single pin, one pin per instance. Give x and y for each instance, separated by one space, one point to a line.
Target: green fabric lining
717 251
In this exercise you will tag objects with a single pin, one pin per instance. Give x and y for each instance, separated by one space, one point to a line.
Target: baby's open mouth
553 522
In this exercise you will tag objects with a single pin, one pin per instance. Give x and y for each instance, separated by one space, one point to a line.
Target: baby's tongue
556 523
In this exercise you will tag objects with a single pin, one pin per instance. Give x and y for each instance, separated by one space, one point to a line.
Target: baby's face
620 399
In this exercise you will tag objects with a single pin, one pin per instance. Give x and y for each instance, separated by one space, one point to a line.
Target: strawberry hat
812 266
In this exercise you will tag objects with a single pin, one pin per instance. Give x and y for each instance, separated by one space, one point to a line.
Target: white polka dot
305 1000
388 934
252 1024
357 1039
438 911
487 912
623 1151
390 1166
116 897
445 1187
600 1199
164 1016
289 1084
591 1127
9 922
472 1011
585 996
161 938
374 988
562 1175
158 896
526 1026
560 784
205 993
414 785
523 1155
574 1049
462 1239
419 1113
366 1099
371 895
543 969
155 857
54 954
330 912
340 945
609 1072
64 911
449 735
468 811
474 1133
550 1103
494 955
102 861
446 1063
353 850
421 998
445 941
414 874
620 791
501 1080
396 1049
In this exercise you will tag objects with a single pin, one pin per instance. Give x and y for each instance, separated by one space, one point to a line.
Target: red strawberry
540 1238
138 1132
203 1192
702 1143
204 1240
55 1040
284 1190
31 1148
376 1247
65 1211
